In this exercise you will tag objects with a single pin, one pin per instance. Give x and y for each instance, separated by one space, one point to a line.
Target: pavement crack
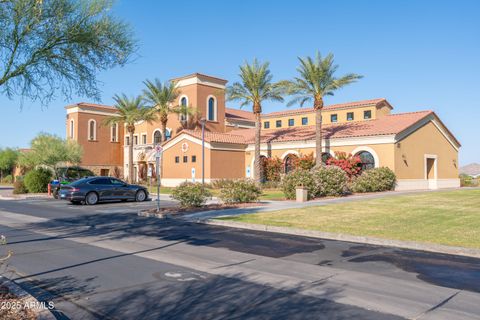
234 264
438 305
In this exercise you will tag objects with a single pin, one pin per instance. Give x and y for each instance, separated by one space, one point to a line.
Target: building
417 146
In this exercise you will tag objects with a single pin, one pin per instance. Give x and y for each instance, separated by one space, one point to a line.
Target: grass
268 194
446 217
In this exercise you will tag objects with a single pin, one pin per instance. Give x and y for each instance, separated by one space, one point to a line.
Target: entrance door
104 172
431 174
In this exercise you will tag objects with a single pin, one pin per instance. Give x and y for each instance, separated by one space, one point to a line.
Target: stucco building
417 146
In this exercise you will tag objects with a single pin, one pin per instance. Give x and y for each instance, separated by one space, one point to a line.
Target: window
177 159
367 114
266 125
157 137
92 130
117 182
168 134
211 112
291 122
325 157
304 121
135 140
101 181
183 103
71 129
185 159
368 161
349 116
114 134
278 123
144 139
333 118
194 158
289 163
127 141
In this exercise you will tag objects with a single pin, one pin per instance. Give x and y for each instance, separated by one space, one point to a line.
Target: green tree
8 158
51 151
255 87
47 45
316 80
129 112
162 98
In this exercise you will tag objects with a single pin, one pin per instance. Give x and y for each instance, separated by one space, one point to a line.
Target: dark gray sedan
92 190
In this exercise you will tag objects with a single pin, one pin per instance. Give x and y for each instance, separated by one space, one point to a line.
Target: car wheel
91 198
140 196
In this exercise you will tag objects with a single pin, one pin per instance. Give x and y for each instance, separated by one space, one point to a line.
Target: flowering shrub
272 168
329 181
305 162
221 183
295 178
240 191
348 163
374 180
191 194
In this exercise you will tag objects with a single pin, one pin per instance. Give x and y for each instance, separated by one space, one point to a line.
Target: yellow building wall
410 156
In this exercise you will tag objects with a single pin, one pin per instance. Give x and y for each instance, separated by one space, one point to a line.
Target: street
105 262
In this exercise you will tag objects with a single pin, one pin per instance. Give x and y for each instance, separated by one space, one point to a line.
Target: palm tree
316 80
161 97
256 87
130 111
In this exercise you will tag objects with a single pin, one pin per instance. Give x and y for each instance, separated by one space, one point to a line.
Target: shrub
329 181
220 183
240 191
271 185
467 181
7 179
37 180
374 180
272 168
295 178
305 162
191 194
348 163
19 187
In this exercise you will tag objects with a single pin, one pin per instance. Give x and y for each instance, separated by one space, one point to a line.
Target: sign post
158 155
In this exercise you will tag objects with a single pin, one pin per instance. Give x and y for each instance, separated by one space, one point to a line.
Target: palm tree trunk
164 138
258 128
164 131
130 158
318 105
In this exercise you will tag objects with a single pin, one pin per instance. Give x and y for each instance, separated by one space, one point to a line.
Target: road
105 262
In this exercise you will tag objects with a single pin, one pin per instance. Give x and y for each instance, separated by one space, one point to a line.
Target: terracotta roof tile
216 136
390 124
237 114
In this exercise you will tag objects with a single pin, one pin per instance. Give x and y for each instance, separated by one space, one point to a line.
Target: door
104 172
431 173
121 190
103 187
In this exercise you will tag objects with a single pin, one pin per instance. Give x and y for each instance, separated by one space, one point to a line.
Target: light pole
202 121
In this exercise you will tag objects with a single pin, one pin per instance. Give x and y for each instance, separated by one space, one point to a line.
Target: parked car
92 190
66 175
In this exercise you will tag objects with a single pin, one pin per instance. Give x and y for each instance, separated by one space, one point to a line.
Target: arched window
157 137
92 130
212 109
367 159
290 162
325 157
114 133
72 129
183 103
168 134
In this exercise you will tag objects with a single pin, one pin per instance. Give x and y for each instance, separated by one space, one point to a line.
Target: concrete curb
42 314
436 248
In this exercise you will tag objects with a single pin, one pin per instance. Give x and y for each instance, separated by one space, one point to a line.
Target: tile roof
216 136
237 114
92 105
387 125
363 103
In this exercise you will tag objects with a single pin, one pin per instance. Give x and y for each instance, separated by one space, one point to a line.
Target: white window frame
215 109
153 135
144 134
180 104
72 129
94 130
114 138
135 136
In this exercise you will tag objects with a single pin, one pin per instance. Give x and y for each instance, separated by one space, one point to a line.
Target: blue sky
417 54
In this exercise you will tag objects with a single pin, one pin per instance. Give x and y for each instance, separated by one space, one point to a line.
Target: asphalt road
105 262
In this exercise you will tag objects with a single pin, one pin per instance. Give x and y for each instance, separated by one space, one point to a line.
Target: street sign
158 151
149 173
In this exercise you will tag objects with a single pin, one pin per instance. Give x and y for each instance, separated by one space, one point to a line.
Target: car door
121 190
103 187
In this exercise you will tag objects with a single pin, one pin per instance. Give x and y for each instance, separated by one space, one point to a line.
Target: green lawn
268 194
446 217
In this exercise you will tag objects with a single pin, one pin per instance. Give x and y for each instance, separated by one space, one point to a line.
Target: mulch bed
172 211
12 307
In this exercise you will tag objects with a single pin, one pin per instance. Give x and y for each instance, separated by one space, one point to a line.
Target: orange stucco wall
182 170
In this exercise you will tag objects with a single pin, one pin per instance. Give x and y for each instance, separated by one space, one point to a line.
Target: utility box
301 194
